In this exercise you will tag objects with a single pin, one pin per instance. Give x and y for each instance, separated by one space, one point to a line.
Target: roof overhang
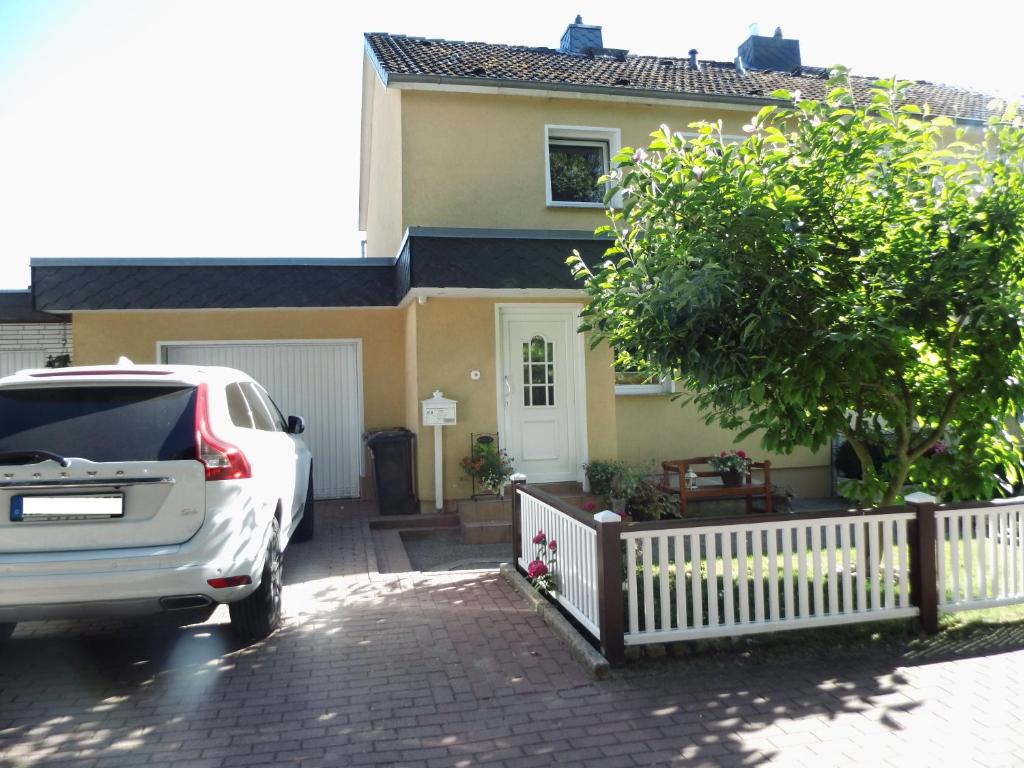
431 262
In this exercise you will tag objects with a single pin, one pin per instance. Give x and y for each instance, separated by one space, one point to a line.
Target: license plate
42 509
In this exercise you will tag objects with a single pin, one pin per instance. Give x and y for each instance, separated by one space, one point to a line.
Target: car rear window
101 423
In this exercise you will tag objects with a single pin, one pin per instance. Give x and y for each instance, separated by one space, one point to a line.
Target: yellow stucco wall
486 154
408 352
384 221
456 336
654 428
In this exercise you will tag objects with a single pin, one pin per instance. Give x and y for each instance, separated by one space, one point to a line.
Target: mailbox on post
438 412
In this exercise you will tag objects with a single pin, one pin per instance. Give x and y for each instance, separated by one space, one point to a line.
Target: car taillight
222 460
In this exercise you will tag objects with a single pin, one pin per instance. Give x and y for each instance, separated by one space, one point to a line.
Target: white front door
539 357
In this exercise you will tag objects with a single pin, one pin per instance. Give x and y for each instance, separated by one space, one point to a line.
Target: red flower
536 569
553 545
540 538
741 454
722 453
590 506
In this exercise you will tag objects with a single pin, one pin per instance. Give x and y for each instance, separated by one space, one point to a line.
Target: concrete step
486 511
404 522
486 533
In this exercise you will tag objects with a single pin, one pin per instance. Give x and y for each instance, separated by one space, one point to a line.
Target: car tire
304 530
258 615
6 630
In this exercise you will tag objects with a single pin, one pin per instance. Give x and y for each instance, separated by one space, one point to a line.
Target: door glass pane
536 349
538 372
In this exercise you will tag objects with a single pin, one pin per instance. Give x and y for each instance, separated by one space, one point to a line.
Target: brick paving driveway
452 670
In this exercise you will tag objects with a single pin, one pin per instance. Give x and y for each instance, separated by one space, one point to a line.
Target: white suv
138 490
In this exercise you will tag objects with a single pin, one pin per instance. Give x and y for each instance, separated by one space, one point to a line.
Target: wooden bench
709 490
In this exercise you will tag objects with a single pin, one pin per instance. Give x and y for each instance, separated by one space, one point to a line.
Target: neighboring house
28 338
478 171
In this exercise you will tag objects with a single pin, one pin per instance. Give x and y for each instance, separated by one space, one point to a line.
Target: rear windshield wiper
32 457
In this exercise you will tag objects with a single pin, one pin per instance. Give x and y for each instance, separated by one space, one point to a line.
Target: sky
192 128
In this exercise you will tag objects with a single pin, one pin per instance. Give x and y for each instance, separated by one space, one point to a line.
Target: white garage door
320 381
12 361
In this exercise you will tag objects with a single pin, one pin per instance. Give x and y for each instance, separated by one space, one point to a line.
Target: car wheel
6 630
304 530
258 615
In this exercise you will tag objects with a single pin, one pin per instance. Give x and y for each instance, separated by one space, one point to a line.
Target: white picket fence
980 557
730 577
726 580
576 572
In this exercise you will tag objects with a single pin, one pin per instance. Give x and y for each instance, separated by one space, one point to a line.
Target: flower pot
618 505
732 477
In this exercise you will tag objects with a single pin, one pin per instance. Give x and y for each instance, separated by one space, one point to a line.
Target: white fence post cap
919 497
518 477
607 517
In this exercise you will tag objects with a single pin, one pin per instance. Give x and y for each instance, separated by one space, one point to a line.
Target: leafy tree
852 269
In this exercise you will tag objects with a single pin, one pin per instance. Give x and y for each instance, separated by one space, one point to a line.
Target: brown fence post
609 585
518 481
924 589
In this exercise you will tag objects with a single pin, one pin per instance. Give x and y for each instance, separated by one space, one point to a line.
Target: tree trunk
899 475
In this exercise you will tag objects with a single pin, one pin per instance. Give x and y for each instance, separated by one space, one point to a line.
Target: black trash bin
393 452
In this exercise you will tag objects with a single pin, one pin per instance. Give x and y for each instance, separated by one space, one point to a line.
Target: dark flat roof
430 258
16 307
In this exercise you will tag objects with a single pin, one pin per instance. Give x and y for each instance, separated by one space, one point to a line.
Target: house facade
478 169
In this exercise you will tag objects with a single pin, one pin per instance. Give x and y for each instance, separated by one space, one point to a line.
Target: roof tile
490 63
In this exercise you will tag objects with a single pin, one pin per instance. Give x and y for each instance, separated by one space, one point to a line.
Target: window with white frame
632 378
576 158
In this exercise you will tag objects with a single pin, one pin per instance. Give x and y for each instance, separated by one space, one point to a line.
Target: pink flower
553 545
722 454
536 569
590 506
741 454
540 537
940 447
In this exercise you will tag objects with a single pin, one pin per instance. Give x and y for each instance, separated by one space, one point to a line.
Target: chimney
693 59
775 53
580 38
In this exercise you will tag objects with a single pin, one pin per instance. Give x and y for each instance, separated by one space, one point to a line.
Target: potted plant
732 466
648 502
601 474
489 465
626 483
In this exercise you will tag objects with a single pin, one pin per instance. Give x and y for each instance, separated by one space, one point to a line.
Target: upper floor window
575 160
